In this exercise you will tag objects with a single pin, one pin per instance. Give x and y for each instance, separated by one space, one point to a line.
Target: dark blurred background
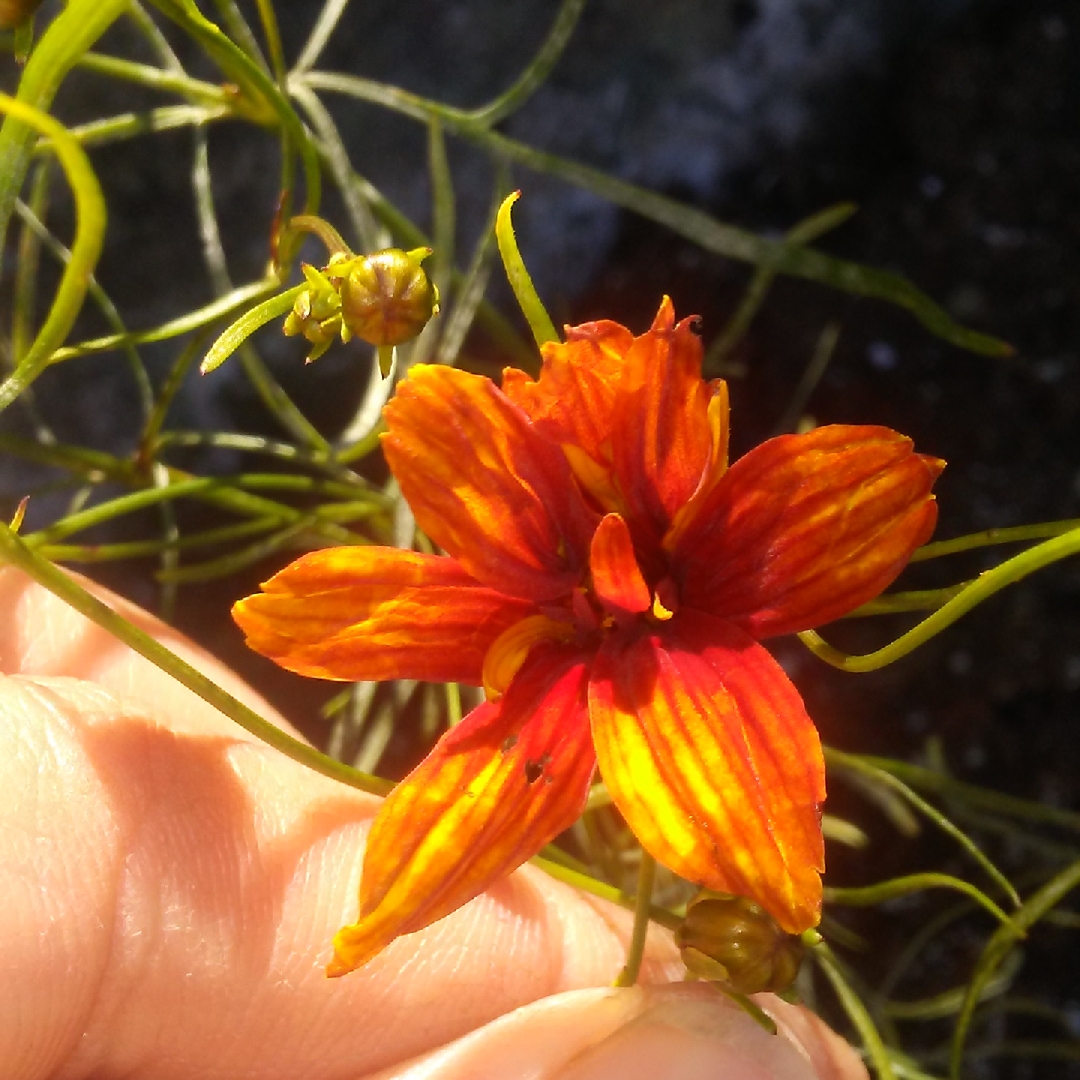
955 127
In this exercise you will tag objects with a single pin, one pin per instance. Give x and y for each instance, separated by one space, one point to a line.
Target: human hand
169 888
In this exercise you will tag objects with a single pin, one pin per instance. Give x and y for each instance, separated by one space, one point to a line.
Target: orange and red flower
607 580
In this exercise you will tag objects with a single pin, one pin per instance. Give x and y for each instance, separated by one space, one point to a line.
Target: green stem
212 569
85 249
911 600
811 376
994 536
136 549
636 950
317 226
197 91
873 1046
178 370
887 890
367 233
852 762
453 704
268 18
443 210
951 1002
999 946
128 125
469 297
972 794
241 297
804 232
781 256
260 93
992 581
16 553
537 70
217 491
68 36
108 309
321 32
543 329
605 891
26 266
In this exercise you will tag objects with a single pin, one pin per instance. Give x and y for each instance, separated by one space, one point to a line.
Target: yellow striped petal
708 753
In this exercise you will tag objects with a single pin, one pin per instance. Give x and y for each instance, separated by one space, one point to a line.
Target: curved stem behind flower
326 232
988 537
853 763
992 581
902 886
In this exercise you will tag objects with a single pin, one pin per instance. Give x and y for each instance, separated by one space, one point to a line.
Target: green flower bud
733 940
387 298
316 314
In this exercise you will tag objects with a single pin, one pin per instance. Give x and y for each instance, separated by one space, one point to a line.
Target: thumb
680 1032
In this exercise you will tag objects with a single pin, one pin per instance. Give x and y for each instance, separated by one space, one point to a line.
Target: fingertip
679 1031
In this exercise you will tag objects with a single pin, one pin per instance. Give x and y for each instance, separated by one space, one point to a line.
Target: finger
680 1032
172 888
42 635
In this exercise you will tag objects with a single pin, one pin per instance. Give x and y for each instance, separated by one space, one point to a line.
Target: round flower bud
732 939
13 12
386 299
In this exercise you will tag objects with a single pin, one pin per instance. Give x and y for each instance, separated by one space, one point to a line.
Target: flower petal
616 576
375 613
708 753
805 528
662 440
571 402
511 649
496 788
484 485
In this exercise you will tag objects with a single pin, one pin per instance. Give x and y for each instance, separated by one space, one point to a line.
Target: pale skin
169 888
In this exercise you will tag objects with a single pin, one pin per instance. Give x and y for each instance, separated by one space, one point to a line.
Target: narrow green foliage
836 759
89 234
532 307
999 946
253 319
858 1014
904 886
